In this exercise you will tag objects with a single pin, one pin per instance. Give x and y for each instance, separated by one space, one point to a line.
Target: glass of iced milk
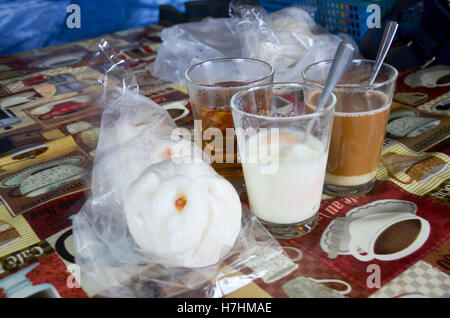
283 147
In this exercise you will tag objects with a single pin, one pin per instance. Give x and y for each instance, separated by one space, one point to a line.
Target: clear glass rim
220 60
392 78
326 109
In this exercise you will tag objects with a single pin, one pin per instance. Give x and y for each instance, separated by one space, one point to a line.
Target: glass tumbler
360 120
283 147
211 84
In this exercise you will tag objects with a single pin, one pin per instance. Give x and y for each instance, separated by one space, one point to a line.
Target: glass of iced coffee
359 127
211 84
283 147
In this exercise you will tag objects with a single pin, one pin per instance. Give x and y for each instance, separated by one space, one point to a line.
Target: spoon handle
388 37
343 54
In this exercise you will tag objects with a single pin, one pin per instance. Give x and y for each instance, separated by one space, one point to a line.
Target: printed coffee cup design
417 169
18 285
63 109
387 236
176 110
426 168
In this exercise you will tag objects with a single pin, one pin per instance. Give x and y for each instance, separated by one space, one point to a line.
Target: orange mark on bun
180 203
168 153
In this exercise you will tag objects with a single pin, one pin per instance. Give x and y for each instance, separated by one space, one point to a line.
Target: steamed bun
117 169
184 214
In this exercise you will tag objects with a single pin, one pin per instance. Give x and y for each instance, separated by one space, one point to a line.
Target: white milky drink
292 192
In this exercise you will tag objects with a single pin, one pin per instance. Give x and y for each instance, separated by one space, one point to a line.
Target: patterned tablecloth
46 158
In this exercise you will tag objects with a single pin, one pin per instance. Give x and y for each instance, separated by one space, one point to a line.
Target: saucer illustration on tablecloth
336 237
435 76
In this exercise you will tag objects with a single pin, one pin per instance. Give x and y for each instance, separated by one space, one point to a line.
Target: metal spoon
343 55
388 37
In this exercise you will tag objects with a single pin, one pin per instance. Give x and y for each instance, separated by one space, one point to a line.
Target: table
49 89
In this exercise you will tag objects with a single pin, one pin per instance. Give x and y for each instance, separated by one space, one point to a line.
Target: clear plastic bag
288 39
109 251
190 43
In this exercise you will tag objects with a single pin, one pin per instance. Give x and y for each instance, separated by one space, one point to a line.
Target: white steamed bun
183 213
119 168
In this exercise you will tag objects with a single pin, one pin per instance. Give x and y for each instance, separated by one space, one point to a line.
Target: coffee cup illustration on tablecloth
418 169
177 110
336 237
61 108
17 285
435 76
387 236
408 123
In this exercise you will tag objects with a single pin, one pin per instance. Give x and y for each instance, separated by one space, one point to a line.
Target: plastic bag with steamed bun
159 216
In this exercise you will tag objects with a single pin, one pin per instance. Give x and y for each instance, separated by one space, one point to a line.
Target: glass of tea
359 125
211 84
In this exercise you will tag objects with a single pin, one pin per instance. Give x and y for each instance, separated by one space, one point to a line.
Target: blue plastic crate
344 16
